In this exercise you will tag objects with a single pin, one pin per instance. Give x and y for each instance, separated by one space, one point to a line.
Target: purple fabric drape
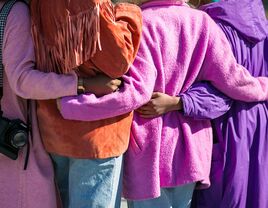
239 172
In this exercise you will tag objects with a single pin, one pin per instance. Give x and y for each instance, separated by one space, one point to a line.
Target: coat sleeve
120 39
222 70
203 101
18 61
137 90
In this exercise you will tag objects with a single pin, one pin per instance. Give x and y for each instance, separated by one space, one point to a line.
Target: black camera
13 136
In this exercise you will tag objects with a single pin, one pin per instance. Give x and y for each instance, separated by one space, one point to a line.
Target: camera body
13 136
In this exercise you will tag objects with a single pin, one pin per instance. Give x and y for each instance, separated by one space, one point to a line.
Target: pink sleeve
137 90
18 60
221 69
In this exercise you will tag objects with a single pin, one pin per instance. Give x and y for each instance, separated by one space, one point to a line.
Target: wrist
80 86
58 104
176 104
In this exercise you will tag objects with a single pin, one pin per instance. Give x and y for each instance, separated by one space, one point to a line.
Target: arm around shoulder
222 70
137 89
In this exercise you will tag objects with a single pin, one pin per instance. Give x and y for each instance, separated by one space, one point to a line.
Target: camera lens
19 139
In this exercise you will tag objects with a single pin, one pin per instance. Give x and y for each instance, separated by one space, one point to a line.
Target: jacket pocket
134 145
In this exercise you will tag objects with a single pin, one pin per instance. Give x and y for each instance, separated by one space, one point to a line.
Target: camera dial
19 139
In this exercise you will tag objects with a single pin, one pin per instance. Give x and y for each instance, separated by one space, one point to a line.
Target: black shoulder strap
4 12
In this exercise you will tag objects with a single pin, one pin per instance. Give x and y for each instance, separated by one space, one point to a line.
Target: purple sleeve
203 101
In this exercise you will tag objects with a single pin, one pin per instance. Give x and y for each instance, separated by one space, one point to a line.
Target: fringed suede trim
66 55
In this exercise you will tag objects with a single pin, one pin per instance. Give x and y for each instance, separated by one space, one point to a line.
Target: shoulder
21 7
197 17
18 23
183 14
127 7
19 14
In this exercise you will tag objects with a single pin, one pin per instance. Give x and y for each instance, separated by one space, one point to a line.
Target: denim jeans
178 197
85 183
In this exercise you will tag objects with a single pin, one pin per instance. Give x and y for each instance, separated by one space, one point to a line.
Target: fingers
116 82
156 94
114 88
145 108
147 111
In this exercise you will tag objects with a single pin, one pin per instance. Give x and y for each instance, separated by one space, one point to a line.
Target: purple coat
239 176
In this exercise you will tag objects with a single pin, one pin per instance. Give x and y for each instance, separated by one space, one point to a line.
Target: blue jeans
85 183
178 197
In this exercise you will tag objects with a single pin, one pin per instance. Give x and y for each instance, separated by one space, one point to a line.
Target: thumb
155 95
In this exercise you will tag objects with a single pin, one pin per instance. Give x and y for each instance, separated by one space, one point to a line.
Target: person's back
92 38
180 58
26 182
238 174
161 135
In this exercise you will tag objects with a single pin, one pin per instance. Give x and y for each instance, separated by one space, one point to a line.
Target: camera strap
4 12
29 136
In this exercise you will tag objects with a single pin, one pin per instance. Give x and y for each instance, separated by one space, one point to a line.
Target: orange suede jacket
113 37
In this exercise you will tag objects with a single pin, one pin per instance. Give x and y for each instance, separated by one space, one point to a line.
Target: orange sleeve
120 33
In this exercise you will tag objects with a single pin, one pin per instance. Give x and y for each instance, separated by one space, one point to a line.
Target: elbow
114 67
122 63
122 60
120 70
21 84
21 91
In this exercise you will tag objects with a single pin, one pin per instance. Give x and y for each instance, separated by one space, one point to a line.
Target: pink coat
179 46
34 187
